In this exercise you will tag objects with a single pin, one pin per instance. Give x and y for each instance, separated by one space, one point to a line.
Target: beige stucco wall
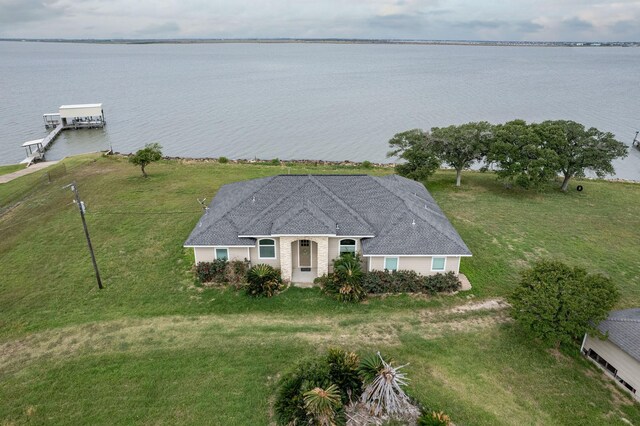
255 260
420 264
628 368
207 254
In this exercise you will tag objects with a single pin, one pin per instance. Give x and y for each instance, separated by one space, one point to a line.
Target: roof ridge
270 207
339 200
263 182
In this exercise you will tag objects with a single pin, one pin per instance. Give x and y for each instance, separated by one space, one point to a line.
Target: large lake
311 101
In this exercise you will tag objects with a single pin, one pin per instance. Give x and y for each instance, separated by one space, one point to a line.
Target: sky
534 20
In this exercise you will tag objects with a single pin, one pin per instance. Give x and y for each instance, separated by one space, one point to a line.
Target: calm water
315 101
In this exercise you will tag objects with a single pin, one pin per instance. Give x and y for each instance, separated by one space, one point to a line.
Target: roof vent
413 222
253 199
337 227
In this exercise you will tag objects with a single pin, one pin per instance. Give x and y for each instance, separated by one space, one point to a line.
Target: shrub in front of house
345 283
263 281
379 282
443 283
221 271
215 271
236 272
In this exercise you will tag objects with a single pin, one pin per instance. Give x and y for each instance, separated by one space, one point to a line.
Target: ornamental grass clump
434 418
329 377
263 281
322 405
341 389
383 393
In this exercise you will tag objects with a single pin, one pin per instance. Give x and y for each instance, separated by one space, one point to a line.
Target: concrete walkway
31 169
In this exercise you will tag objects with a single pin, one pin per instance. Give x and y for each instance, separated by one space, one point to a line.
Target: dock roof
33 142
77 106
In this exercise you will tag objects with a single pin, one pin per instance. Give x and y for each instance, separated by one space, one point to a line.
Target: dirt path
186 331
31 169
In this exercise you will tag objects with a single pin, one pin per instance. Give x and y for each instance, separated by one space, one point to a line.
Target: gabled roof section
307 218
302 188
623 330
393 215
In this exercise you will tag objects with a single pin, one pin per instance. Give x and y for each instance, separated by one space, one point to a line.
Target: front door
304 253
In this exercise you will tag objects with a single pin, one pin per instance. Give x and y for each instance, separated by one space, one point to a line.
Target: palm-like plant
322 404
383 391
264 280
347 275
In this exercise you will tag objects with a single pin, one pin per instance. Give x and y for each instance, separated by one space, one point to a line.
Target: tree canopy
143 157
557 303
521 157
578 149
460 146
417 149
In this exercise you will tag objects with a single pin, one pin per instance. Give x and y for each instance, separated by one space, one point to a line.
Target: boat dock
68 117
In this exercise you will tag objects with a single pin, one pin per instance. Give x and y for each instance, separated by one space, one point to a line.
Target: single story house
299 223
619 354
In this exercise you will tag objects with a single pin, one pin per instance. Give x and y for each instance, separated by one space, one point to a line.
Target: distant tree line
529 155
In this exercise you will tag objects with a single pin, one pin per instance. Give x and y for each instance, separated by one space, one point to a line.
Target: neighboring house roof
623 329
393 215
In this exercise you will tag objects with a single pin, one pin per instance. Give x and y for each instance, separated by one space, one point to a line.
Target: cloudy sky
543 20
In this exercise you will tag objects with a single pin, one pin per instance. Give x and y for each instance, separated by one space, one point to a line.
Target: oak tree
416 148
460 146
579 149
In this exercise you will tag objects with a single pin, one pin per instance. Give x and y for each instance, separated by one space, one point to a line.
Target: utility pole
80 204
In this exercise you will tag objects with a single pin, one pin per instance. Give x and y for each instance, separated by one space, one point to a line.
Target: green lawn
4 170
153 348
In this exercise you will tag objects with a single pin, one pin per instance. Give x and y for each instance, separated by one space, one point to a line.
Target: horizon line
303 39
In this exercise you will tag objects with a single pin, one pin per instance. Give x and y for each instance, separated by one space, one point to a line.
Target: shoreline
344 163
308 162
478 43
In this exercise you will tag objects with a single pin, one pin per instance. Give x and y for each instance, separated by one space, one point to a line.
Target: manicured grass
10 168
507 229
154 348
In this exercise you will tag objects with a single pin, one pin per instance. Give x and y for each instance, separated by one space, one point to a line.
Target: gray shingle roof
623 330
394 215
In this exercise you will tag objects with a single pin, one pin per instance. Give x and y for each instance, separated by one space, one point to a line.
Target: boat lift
35 151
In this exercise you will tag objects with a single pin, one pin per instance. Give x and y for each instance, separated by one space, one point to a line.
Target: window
347 246
222 253
267 249
391 263
438 263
